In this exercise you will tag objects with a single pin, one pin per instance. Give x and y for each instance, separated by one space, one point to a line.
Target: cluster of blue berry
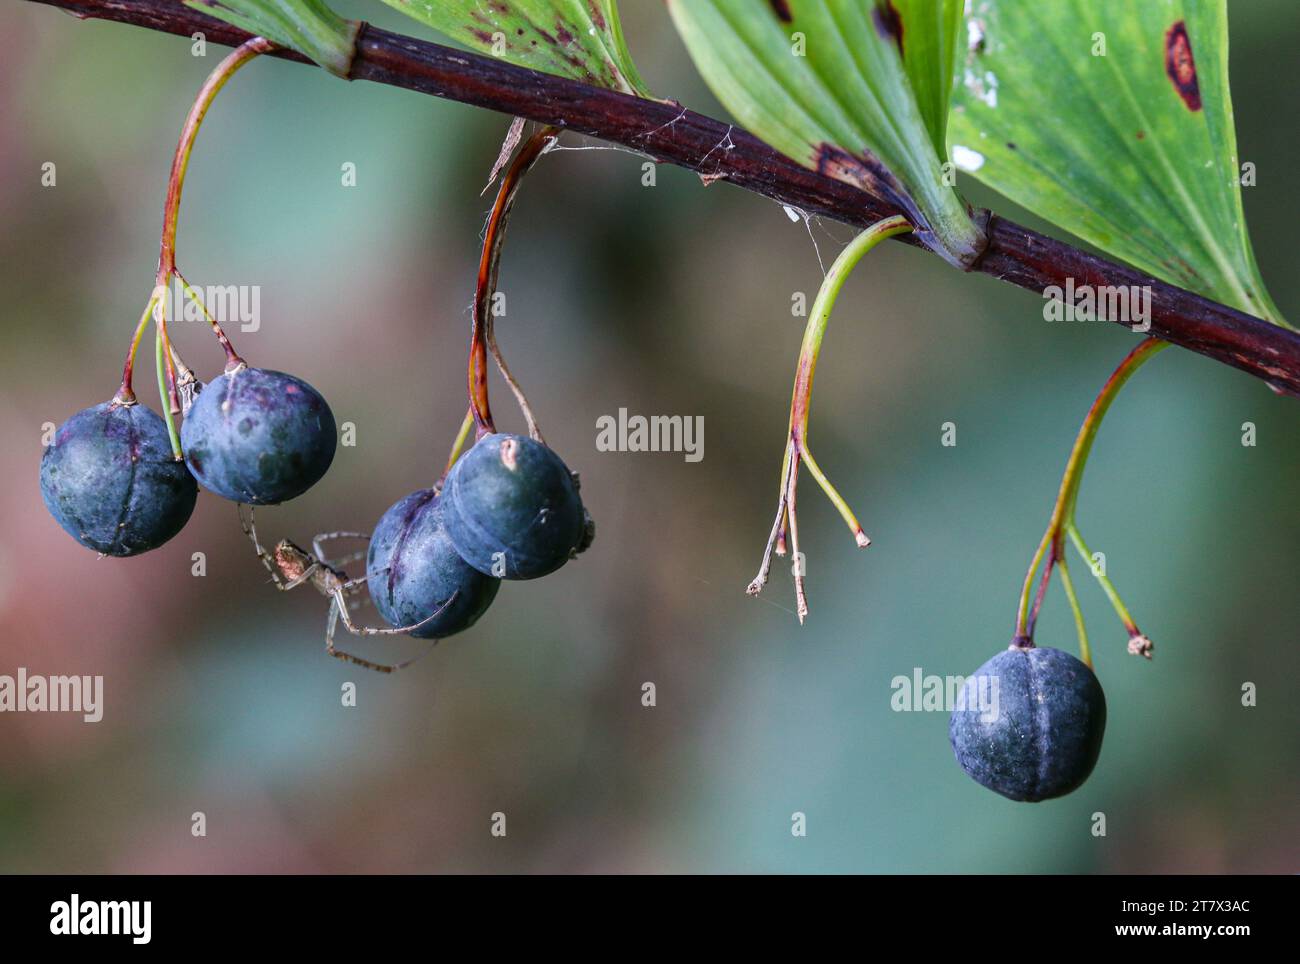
122 480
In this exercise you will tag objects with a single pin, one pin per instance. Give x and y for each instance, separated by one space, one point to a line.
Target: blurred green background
666 300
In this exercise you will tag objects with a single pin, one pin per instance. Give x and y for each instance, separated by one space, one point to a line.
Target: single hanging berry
1029 723
110 480
258 436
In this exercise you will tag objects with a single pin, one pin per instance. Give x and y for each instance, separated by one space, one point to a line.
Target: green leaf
307 26
857 89
1113 119
929 65
579 39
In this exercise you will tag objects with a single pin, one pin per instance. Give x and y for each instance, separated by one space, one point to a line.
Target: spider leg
332 625
338 607
340 603
353 588
324 537
342 561
250 530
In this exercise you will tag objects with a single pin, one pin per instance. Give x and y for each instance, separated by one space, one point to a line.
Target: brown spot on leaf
888 22
1178 264
597 17
1141 135
1181 66
782 10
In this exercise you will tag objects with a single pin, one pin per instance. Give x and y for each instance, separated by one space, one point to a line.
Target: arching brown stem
482 336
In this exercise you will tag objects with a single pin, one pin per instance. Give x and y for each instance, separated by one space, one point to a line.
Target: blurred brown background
666 300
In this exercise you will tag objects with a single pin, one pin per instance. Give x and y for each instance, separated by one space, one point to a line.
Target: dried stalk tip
189 387
1139 645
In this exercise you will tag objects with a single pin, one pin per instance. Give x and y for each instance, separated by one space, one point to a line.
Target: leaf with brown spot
1134 151
862 96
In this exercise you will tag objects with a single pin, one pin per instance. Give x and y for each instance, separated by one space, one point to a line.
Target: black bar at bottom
88 914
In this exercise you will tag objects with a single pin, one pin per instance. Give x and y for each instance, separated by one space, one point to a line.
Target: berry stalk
797 451
164 387
189 133
466 426
233 360
1050 552
166 357
125 393
482 334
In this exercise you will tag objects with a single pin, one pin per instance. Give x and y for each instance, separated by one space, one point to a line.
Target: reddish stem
494 236
125 394
1053 554
1051 547
176 184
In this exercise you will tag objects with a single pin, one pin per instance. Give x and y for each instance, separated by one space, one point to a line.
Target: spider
291 566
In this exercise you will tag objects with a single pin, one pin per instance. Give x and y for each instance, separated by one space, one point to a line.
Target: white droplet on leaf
991 89
966 159
982 88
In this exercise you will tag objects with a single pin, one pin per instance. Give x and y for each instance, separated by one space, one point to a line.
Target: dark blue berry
111 481
258 436
412 569
513 508
1029 723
